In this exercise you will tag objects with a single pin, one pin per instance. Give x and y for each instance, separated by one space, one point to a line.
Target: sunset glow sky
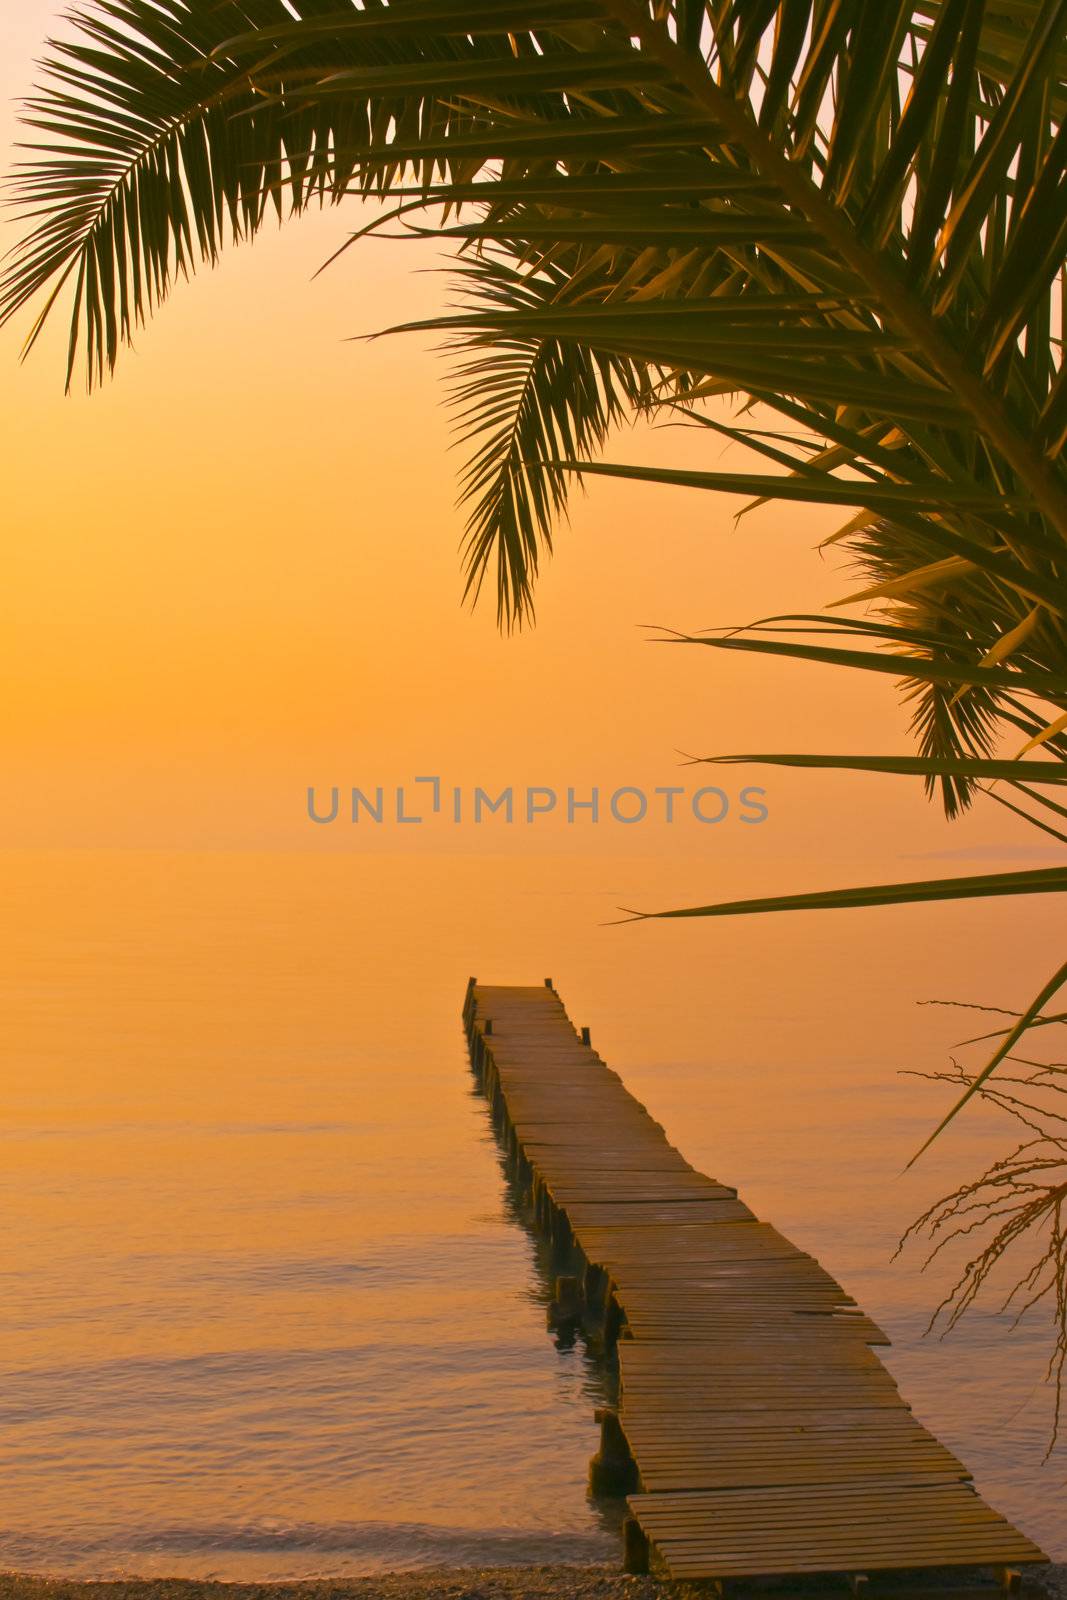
234 572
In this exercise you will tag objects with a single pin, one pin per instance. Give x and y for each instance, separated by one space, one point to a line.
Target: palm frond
1012 1037
149 153
944 673
523 407
164 128
1042 880
1017 1201
907 766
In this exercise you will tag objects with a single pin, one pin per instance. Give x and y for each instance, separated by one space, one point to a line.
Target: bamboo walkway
757 1432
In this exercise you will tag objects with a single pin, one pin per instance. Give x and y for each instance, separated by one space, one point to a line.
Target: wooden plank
652 1213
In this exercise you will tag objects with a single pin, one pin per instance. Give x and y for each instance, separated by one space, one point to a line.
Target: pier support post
566 1309
612 1323
635 1548
561 1232
613 1470
595 1287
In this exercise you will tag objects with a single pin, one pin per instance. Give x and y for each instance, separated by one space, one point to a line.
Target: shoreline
557 1582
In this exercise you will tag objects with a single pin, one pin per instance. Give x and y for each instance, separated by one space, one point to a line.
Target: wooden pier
757 1433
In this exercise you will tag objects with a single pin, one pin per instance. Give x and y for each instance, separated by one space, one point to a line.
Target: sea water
268 1307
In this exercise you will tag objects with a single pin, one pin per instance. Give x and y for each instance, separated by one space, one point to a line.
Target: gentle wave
183 1130
373 1546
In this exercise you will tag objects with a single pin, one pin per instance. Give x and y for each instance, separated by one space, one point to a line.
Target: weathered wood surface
757 1428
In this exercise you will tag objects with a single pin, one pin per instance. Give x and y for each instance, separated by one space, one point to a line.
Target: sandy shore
501 1583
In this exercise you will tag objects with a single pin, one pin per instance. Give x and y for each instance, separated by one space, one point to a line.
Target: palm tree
849 215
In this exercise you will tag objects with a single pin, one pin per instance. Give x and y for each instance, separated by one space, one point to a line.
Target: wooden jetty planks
876 1524
759 1429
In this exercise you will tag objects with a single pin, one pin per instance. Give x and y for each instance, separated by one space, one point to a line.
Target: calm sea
266 1308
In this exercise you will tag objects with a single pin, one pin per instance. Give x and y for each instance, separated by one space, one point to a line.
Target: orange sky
234 572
